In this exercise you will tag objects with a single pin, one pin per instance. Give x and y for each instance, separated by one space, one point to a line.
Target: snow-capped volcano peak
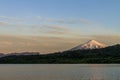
91 44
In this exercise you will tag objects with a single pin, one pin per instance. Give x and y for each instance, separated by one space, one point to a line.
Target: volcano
91 44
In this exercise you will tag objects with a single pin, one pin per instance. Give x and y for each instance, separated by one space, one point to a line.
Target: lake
59 71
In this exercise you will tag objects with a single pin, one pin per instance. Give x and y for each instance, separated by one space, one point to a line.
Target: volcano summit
92 44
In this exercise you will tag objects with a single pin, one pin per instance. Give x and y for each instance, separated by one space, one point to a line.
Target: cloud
43 25
85 21
47 19
10 18
34 29
66 21
57 30
3 23
55 27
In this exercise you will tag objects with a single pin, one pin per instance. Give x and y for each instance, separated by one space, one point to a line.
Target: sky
56 25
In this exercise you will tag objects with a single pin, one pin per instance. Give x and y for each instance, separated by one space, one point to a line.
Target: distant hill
109 54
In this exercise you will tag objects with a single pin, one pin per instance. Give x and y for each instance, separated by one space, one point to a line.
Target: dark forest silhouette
109 54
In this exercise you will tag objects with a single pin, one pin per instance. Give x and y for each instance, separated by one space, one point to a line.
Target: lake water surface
59 71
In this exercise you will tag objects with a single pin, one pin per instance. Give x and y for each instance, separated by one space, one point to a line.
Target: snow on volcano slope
92 44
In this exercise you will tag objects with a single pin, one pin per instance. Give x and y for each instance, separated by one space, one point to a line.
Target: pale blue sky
101 14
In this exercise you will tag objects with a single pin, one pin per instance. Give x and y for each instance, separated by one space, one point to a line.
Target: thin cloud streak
37 29
66 21
44 19
56 27
10 18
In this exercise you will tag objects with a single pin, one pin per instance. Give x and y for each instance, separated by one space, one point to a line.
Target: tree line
109 54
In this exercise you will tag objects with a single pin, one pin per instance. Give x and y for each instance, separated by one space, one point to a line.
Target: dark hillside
105 55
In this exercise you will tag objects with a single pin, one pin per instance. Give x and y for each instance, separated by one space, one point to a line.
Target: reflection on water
59 72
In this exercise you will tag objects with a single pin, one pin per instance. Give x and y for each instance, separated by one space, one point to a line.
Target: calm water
59 72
